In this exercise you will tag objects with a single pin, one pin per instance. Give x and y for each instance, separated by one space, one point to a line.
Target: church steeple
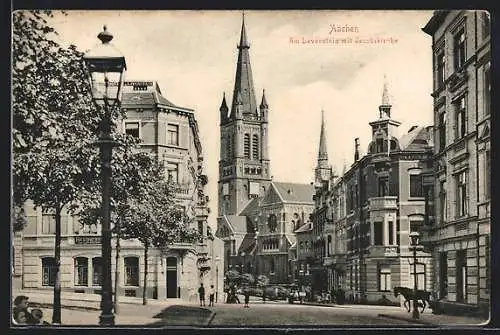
223 109
323 171
243 83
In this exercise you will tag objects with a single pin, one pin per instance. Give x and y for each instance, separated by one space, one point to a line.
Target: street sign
87 239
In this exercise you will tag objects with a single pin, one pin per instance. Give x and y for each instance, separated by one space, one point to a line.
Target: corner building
170 133
459 234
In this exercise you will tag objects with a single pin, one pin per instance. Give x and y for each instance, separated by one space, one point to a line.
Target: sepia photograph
250 168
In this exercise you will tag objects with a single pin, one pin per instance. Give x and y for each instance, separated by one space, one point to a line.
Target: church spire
385 106
243 83
322 152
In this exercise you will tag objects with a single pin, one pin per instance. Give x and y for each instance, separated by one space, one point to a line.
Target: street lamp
106 66
217 259
414 239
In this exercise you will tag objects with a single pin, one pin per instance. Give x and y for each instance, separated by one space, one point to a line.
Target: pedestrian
247 297
211 296
21 316
201 292
21 304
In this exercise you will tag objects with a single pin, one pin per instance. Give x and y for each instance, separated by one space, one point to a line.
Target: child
247 298
211 293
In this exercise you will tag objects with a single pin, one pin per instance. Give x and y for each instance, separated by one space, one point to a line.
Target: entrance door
171 277
443 275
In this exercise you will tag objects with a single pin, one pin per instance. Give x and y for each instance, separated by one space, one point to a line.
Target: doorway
172 277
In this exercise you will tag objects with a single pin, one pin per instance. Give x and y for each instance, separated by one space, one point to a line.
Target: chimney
356 149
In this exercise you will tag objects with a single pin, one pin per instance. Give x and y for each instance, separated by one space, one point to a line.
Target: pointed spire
322 153
223 105
263 103
244 81
385 93
385 106
243 37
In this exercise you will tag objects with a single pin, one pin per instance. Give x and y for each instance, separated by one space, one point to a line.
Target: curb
410 320
211 319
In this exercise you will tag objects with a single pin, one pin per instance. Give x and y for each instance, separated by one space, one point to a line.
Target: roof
304 228
148 93
435 21
292 192
238 223
251 207
248 244
415 140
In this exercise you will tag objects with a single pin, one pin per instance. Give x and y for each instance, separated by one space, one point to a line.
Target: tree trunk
56 312
117 267
144 287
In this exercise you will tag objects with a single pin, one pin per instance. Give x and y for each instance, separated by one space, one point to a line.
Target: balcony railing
383 203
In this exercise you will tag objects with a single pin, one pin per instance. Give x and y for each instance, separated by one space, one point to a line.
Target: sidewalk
90 302
440 320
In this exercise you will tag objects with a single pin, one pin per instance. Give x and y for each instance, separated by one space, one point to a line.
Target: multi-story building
249 202
170 133
460 234
383 198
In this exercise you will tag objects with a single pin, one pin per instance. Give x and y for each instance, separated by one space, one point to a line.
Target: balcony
384 251
383 203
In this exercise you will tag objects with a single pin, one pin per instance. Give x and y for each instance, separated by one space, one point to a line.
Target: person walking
201 292
247 297
211 296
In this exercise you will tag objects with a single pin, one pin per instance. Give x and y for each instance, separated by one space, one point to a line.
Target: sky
192 55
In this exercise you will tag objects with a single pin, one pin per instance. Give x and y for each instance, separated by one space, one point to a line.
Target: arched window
81 271
272 223
246 146
48 271
131 271
255 147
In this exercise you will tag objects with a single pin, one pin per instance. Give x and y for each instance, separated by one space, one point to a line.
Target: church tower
323 171
244 161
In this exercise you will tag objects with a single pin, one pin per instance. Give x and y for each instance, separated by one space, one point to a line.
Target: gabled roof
251 207
237 223
292 192
415 140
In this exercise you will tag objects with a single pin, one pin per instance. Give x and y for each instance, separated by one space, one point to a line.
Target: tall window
96 271
132 129
461 180
442 130
398 232
81 271
416 189
172 134
380 145
461 120
440 69
461 275
255 147
48 224
383 186
271 265
233 242
415 226
229 147
48 271
378 236
459 49
443 274
131 271
246 146
391 232
420 276
442 201
384 278
173 172
487 90
485 23
487 171
329 249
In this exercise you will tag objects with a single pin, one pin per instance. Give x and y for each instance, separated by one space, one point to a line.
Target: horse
408 295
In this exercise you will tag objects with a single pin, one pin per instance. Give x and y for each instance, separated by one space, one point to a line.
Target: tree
156 220
54 123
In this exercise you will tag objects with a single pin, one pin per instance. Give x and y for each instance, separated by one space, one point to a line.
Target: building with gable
257 217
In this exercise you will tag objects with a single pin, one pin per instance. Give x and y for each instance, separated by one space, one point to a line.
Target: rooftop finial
385 93
105 36
243 37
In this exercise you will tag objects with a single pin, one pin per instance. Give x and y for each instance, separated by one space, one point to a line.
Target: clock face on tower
272 223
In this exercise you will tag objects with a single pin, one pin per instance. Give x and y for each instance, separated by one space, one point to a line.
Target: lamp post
217 259
414 239
106 66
